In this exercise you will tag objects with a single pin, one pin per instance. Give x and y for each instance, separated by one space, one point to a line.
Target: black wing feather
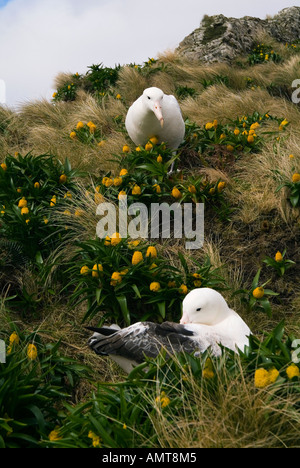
147 339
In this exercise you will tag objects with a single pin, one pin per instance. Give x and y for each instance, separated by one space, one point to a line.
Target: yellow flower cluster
163 400
263 377
96 439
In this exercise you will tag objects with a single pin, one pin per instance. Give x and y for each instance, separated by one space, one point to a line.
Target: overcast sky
40 38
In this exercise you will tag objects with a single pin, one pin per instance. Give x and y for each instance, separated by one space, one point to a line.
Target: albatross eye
198 310
148 97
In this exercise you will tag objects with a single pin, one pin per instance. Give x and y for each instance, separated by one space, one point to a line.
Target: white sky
40 38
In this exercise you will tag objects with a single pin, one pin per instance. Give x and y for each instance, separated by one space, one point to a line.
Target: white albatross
207 322
155 114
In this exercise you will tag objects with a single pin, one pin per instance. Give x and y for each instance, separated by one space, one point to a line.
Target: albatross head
205 306
153 98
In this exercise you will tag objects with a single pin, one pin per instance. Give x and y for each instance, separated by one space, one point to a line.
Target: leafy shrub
262 53
131 281
33 382
30 189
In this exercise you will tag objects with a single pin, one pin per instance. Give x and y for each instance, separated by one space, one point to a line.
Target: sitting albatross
155 114
206 322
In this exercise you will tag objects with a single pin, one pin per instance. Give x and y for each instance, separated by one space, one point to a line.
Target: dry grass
238 415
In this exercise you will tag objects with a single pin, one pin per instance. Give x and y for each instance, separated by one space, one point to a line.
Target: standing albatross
206 322
155 114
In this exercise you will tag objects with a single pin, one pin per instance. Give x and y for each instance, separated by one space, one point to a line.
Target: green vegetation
59 160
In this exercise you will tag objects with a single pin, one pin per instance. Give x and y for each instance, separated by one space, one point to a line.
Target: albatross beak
184 318
158 113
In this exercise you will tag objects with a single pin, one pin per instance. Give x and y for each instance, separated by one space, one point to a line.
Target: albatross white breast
155 114
207 322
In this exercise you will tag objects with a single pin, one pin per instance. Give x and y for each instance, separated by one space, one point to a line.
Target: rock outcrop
222 39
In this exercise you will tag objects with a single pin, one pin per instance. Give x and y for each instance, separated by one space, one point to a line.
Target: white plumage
206 322
155 114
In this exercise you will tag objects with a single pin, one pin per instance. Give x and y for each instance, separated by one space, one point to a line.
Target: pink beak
185 318
158 113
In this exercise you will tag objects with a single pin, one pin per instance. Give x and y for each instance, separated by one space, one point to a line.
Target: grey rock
222 39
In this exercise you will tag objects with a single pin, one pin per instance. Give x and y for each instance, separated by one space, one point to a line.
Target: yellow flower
126 149
4 166
284 122
31 352
67 213
115 239
183 289
107 181
172 284
36 185
54 435
148 146
96 269
236 131
154 140
134 243
63 179
123 172
22 203
151 252
118 96
292 371
101 143
159 159
258 293
54 95
273 375
53 201
222 136
68 195
136 190
157 188
116 278
90 124
291 156
221 186
24 211
73 135
98 197
79 125
278 257
154 287
254 126
261 378
209 126
14 338
137 149
176 193
96 439
46 220
93 128
250 139
296 178
118 181
192 189
78 212
84 270
230 148
137 257
163 400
